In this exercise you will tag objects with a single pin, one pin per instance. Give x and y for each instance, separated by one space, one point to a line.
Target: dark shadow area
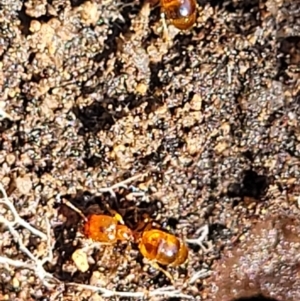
288 55
153 159
94 118
232 6
20 138
5 124
25 21
290 47
97 117
89 158
213 3
76 3
252 185
155 82
64 247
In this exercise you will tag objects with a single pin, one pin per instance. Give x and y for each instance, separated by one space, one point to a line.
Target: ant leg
166 273
142 226
148 227
199 275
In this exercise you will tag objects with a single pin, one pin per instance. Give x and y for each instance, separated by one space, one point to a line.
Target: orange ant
181 13
160 247
104 228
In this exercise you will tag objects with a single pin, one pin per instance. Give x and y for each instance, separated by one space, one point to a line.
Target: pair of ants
157 246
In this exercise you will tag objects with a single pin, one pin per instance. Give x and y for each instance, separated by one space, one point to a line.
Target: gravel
207 123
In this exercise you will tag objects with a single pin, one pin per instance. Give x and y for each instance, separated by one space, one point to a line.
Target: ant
181 13
104 228
160 247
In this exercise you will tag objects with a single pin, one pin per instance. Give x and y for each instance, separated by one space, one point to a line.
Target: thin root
199 275
122 184
34 263
168 291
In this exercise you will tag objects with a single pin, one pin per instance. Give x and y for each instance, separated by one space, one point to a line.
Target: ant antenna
70 205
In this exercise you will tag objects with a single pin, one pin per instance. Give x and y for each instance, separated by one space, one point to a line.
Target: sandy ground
205 127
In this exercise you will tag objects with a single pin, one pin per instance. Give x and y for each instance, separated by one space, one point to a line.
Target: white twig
69 204
199 275
16 263
122 184
36 264
168 291
229 74
105 292
203 231
40 271
18 219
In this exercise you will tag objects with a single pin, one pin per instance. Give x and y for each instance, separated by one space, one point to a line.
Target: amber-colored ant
106 229
181 13
162 247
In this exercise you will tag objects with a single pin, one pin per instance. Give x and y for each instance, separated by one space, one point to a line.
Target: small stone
15 283
10 159
81 261
90 13
221 147
141 88
196 102
35 26
24 184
